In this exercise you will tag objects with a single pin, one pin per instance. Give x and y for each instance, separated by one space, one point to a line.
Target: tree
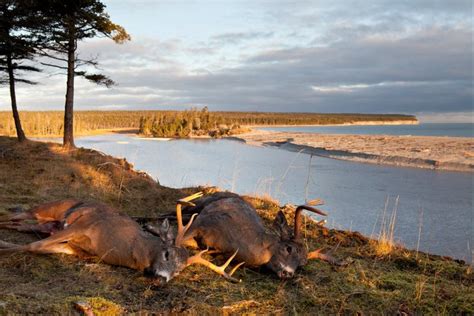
17 46
70 21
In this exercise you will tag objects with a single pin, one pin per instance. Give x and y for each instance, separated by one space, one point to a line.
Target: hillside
401 281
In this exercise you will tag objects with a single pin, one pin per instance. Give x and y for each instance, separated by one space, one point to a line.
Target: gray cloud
386 56
238 37
428 71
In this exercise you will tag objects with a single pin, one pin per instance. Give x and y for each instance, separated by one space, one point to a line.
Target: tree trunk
68 140
16 116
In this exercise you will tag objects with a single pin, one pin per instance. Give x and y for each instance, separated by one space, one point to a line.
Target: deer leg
45 228
53 244
4 244
198 259
14 217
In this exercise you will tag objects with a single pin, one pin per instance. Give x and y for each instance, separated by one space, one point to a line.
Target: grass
385 243
32 173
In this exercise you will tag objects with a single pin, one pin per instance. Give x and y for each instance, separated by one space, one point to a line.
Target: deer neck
269 244
144 250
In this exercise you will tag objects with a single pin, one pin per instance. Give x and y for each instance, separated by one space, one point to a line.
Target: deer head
169 260
289 253
173 257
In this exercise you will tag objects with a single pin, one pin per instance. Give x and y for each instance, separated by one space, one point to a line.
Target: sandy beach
441 153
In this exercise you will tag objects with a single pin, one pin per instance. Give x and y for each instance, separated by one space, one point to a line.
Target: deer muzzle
286 272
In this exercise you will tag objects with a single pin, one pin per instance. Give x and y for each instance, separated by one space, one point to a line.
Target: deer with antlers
99 230
228 223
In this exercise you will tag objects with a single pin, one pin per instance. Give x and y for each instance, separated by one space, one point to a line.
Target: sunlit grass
385 243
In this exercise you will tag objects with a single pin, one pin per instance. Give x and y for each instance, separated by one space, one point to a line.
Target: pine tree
18 44
69 22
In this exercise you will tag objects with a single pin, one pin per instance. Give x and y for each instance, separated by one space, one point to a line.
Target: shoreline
444 153
360 123
427 152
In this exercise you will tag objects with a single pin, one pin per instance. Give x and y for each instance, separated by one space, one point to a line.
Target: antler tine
315 202
198 259
298 211
179 216
180 235
186 202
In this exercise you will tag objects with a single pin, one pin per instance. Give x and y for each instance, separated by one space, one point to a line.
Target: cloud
238 37
403 56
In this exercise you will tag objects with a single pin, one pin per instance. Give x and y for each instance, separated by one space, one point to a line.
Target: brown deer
99 230
228 223
49 217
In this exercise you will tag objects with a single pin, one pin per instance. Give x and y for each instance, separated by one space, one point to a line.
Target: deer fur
115 238
227 222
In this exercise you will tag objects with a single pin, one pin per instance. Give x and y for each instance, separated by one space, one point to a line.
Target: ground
398 281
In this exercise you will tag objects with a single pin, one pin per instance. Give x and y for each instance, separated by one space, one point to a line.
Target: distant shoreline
428 152
361 123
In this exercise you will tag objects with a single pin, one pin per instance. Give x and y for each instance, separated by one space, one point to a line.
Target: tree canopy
69 22
18 42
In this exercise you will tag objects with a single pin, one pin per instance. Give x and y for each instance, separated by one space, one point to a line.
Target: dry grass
33 173
385 243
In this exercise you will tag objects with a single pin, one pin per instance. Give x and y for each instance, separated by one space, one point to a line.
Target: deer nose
285 274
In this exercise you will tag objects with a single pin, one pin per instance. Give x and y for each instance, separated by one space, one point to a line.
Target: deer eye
166 255
289 249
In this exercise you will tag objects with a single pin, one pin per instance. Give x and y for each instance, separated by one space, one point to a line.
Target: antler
298 211
198 259
179 216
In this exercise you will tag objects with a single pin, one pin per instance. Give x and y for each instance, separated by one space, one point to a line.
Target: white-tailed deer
99 230
228 223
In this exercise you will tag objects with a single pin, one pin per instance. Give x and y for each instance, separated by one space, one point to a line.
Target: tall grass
385 242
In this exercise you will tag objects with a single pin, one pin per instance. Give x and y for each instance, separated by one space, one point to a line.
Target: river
434 210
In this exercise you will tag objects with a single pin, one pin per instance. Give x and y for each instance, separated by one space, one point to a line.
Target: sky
412 57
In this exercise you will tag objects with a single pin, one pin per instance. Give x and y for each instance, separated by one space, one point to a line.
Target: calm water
427 129
355 194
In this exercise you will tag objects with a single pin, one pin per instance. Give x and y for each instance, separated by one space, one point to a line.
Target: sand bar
441 153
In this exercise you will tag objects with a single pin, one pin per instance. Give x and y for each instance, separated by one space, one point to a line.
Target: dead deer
49 217
228 223
99 230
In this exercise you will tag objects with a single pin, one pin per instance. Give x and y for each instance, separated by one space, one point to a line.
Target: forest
176 123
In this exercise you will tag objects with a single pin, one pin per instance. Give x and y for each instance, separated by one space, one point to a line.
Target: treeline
176 123
188 123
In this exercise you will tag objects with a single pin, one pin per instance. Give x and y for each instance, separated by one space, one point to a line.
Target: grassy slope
33 173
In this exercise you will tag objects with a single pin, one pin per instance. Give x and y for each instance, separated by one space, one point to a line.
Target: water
355 194
426 129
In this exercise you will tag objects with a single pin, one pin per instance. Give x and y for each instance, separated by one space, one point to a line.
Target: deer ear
281 226
166 233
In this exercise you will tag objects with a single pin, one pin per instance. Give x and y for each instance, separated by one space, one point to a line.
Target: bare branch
54 66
